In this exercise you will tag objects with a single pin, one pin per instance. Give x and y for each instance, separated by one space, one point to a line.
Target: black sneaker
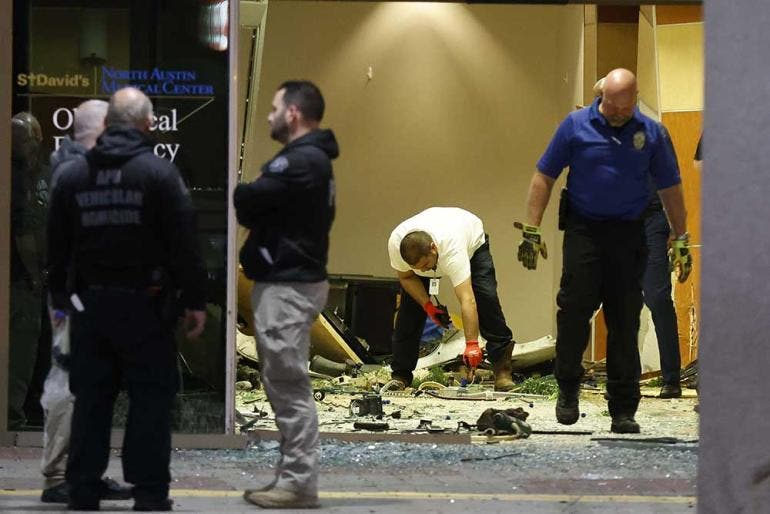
56 494
624 425
567 410
112 490
670 391
154 505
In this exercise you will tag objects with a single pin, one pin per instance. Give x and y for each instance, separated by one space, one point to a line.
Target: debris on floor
348 389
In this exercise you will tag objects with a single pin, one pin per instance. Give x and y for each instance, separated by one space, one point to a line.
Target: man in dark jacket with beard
289 210
121 222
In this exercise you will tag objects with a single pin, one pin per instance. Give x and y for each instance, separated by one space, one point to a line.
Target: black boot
567 410
670 391
624 424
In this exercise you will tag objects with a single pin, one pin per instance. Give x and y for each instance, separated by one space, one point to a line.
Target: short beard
280 133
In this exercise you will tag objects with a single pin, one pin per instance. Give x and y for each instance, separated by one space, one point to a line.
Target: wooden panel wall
685 129
672 14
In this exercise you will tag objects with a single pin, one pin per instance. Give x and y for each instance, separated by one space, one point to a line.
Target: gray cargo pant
283 315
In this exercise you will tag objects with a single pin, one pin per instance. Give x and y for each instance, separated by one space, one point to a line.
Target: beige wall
572 60
680 54
647 64
462 103
6 47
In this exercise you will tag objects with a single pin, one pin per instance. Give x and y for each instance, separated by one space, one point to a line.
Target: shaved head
89 122
129 106
618 96
619 81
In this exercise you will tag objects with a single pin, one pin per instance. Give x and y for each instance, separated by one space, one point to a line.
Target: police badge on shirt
639 139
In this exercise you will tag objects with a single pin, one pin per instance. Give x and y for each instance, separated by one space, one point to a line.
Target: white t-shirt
457 234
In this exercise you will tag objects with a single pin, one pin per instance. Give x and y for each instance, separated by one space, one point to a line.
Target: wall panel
680 62
616 47
647 65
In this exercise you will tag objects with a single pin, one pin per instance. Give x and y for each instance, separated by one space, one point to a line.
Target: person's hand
531 245
58 317
194 323
680 258
472 355
439 316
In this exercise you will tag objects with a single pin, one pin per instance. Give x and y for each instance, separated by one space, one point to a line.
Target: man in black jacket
121 220
57 402
289 210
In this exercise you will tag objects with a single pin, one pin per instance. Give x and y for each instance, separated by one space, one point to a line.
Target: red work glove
472 355
438 316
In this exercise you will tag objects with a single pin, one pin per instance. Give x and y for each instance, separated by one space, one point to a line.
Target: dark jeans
410 319
657 295
603 264
120 339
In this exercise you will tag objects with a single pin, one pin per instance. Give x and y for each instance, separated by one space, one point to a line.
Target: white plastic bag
57 386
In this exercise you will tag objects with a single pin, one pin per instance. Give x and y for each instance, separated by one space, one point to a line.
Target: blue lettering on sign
155 82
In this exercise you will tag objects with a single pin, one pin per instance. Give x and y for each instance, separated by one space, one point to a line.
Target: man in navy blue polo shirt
612 150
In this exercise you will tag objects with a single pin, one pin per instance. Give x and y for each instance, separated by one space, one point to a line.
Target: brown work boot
277 498
395 384
502 369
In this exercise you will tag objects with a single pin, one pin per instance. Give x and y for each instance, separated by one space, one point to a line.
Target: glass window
69 51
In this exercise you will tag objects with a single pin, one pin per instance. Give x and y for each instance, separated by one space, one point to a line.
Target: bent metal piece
524 355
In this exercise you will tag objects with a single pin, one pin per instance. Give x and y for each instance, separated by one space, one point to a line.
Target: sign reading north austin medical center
181 87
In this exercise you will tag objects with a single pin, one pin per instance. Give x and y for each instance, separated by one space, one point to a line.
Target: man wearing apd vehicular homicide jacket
121 219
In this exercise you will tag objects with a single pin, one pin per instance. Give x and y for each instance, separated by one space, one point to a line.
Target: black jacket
119 216
289 211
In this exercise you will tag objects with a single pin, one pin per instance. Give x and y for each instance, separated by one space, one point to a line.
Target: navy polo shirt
610 168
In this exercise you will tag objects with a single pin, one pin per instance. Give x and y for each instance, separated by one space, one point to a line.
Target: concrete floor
547 473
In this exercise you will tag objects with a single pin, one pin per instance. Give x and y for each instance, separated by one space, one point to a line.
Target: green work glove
680 258
531 244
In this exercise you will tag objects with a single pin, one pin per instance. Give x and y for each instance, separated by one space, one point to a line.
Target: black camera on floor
369 404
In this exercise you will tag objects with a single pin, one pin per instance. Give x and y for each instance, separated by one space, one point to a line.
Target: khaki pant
57 403
283 315
56 439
